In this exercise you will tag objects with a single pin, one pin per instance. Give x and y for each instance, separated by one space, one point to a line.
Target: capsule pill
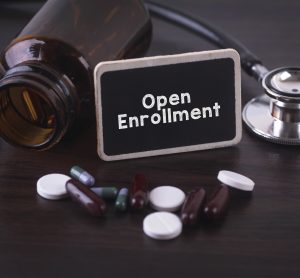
192 207
81 175
139 192
85 197
216 206
121 201
106 192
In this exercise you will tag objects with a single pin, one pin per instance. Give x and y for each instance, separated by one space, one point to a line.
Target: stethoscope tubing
250 63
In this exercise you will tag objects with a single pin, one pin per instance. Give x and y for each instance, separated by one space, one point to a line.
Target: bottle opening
27 118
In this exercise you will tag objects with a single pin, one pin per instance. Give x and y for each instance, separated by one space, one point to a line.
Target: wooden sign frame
108 76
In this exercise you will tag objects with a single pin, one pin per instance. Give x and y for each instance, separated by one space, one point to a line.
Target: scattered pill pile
166 200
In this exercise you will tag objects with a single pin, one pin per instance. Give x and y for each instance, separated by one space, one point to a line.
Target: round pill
166 198
52 186
162 225
236 180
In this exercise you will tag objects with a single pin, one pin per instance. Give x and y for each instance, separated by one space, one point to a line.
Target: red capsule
139 192
85 197
192 206
217 204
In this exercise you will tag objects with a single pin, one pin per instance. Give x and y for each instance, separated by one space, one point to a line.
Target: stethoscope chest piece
276 115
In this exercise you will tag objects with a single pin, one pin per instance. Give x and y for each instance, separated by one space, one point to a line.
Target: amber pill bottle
46 84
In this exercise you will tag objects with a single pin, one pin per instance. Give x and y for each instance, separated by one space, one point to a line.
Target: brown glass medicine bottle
47 71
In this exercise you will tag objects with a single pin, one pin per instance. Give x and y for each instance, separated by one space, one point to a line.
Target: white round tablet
53 186
236 180
166 198
162 225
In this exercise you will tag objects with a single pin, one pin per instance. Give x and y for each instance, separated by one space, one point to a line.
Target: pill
81 175
121 201
139 192
86 198
52 186
166 198
236 180
162 225
192 207
105 192
217 204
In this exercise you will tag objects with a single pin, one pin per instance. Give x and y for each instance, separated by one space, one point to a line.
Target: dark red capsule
86 198
192 206
216 206
139 192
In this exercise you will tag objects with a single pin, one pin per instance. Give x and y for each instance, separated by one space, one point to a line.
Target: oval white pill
162 225
166 198
236 180
53 186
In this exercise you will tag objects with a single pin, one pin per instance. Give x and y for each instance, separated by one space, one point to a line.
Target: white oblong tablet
236 180
166 198
52 186
162 225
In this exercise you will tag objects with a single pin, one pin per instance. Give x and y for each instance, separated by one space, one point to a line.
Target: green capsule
106 192
121 201
81 175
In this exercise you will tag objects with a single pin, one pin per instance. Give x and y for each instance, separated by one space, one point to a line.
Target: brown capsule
139 192
85 197
217 204
192 207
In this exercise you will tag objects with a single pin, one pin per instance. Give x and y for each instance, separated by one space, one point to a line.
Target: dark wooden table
260 237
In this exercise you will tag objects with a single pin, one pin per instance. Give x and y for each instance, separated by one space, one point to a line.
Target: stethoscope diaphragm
276 115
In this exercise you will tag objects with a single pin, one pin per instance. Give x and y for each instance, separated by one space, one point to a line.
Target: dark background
259 237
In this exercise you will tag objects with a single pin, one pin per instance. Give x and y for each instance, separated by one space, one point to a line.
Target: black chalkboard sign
168 104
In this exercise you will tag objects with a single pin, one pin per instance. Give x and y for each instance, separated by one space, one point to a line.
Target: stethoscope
274 116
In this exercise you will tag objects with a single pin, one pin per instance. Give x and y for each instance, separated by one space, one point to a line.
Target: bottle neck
37 106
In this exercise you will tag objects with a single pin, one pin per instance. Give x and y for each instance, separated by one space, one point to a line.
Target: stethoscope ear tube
208 32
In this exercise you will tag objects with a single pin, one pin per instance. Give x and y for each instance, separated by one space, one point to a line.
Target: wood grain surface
260 236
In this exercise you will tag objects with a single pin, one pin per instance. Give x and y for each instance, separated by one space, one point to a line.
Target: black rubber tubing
206 31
